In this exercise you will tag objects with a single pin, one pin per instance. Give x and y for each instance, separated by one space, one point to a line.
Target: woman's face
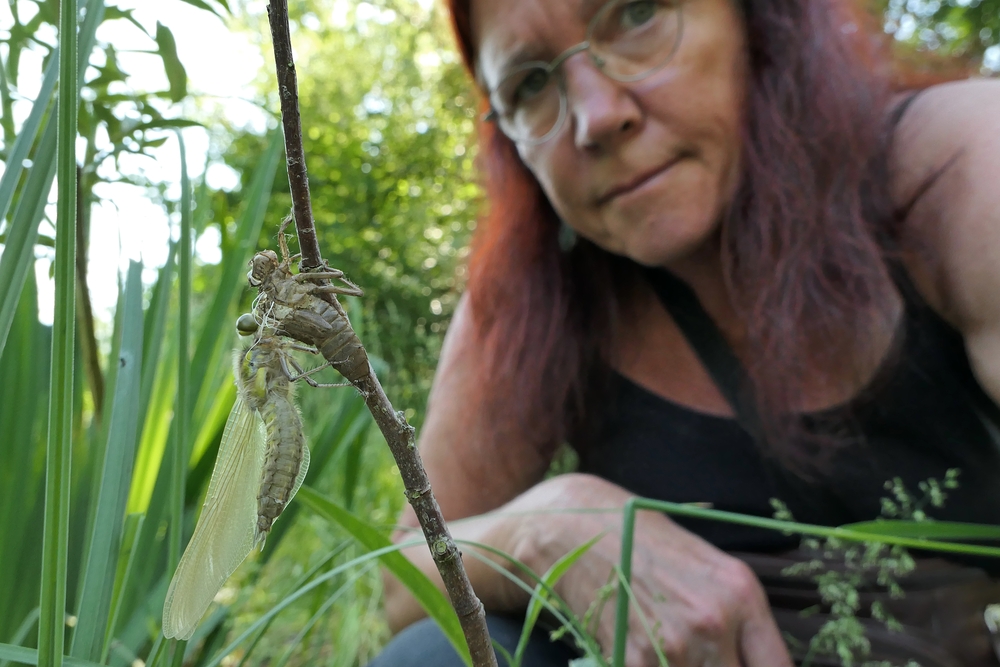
643 169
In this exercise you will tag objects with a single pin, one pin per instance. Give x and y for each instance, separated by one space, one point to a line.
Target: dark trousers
423 645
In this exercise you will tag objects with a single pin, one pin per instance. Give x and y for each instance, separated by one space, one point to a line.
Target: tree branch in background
306 308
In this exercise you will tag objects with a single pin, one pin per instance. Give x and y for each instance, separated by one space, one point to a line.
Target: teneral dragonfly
262 461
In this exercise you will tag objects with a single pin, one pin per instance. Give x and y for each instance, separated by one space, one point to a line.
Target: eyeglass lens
628 40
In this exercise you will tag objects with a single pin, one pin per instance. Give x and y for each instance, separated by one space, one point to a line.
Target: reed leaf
26 137
101 562
29 656
22 231
182 415
126 557
24 367
927 530
55 544
19 251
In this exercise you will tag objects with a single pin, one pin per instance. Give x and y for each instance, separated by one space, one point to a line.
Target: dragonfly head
262 265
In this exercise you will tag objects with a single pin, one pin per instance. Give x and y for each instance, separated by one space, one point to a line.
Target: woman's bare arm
954 130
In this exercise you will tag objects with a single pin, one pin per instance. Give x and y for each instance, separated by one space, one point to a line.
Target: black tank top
923 415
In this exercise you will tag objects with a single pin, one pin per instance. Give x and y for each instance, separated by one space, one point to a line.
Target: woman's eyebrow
588 8
518 56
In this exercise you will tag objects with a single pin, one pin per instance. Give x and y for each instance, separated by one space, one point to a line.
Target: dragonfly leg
329 274
302 348
353 290
282 243
304 375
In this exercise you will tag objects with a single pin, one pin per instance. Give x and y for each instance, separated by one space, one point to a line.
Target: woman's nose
601 111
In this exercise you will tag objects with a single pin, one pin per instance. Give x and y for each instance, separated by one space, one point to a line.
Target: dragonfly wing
303 470
225 531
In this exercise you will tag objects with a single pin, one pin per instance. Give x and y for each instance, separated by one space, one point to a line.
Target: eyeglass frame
551 68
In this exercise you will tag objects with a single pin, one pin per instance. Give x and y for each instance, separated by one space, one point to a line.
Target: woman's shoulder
945 165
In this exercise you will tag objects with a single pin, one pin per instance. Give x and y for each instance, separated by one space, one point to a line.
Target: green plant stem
691 511
55 545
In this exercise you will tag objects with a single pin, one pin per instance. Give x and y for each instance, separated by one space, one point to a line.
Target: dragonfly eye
246 325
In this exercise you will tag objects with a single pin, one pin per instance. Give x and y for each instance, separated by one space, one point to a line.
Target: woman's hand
703 607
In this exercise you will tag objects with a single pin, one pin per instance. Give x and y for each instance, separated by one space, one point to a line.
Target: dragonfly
263 460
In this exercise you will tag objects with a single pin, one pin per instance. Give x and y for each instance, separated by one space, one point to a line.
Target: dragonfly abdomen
283 463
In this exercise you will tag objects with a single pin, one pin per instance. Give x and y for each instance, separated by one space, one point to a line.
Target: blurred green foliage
963 28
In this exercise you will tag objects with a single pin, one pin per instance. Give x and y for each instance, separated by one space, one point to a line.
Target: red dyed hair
805 239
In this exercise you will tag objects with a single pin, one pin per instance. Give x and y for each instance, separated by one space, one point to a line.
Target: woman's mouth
636 182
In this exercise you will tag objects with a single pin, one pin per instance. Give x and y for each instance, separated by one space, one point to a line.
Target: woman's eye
532 84
636 14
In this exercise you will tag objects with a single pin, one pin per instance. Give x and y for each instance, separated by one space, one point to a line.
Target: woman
842 243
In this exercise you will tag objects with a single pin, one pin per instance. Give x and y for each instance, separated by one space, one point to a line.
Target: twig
302 324
291 122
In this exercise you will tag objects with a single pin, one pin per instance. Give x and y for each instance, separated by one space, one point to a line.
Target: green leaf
26 137
19 251
289 600
426 593
176 74
928 530
126 557
58 451
23 228
101 563
112 13
541 593
201 4
29 656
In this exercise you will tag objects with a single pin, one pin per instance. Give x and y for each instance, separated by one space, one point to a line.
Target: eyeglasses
628 40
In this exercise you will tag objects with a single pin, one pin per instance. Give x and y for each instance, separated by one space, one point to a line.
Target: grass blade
315 583
19 249
232 282
26 137
314 619
182 416
126 556
541 594
29 656
23 229
24 367
426 593
927 530
22 632
101 562
55 541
